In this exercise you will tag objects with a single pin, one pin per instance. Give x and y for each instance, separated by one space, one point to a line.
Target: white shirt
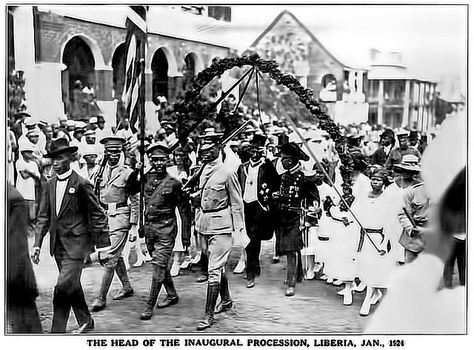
61 188
26 187
250 191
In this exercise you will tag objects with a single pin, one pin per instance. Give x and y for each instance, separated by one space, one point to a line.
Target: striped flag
133 96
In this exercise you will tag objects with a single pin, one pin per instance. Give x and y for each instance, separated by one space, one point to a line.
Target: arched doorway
159 68
79 74
189 70
118 74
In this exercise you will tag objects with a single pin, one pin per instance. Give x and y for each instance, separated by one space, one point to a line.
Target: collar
257 163
65 176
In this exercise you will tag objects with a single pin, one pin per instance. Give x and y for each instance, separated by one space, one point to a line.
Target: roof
311 35
161 20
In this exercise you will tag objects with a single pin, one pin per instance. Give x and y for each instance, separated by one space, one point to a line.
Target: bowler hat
291 149
60 146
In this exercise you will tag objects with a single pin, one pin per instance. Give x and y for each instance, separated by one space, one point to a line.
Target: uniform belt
213 210
117 205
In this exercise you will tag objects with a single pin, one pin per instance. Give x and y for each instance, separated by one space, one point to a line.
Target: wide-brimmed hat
90 150
291 149
60 146
388 133
409 162
27 147
80 126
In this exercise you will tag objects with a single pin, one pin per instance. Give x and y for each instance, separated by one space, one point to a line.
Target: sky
432 39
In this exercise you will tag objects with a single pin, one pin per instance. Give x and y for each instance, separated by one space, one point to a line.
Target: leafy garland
194 109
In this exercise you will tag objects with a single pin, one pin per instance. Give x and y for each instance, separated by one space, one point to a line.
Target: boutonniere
72 190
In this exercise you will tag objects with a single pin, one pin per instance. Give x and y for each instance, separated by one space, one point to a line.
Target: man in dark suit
22 315
69 210
258 179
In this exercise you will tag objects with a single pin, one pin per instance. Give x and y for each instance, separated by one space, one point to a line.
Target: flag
133 96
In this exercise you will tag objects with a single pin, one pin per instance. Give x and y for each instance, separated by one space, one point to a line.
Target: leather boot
172 296
212 294
154 291
101 301
127 289
226 302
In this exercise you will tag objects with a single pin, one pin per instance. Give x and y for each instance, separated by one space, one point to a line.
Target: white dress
394 228
373 268
340 263
320 239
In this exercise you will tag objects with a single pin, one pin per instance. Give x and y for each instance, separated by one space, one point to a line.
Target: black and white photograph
255 174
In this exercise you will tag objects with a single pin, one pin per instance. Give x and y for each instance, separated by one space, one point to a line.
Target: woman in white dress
374 268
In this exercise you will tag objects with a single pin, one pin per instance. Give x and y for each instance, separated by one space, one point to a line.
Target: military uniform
295 187
114 197
221 214
162 195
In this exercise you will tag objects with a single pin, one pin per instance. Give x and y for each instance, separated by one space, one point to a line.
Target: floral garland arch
194 109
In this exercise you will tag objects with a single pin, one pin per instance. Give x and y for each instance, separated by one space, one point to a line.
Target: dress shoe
168 301
186 262
318 267
206 323
376 297
329 280
147 314
290 292
99 304
275 259
337 282
85 327
124 293
240 267
139 263
148 257
360 287
196 258
223 307
323 277
202 278
250 284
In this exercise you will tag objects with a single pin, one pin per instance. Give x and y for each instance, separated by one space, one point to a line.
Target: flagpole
141 105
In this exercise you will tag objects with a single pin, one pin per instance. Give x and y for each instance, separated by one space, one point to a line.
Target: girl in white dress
374 268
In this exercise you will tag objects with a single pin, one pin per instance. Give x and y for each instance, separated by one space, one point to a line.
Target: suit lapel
52 196
67 195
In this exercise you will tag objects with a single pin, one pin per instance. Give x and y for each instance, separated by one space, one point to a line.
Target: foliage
194 108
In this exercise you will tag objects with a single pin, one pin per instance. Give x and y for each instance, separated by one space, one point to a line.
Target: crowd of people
81 182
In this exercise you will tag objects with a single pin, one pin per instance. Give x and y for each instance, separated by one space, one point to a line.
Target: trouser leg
253 258
224 289
448 269
291 268
461 260
169 285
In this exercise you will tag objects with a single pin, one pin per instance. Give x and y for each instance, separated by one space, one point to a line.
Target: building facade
59 47
396 99
298 52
